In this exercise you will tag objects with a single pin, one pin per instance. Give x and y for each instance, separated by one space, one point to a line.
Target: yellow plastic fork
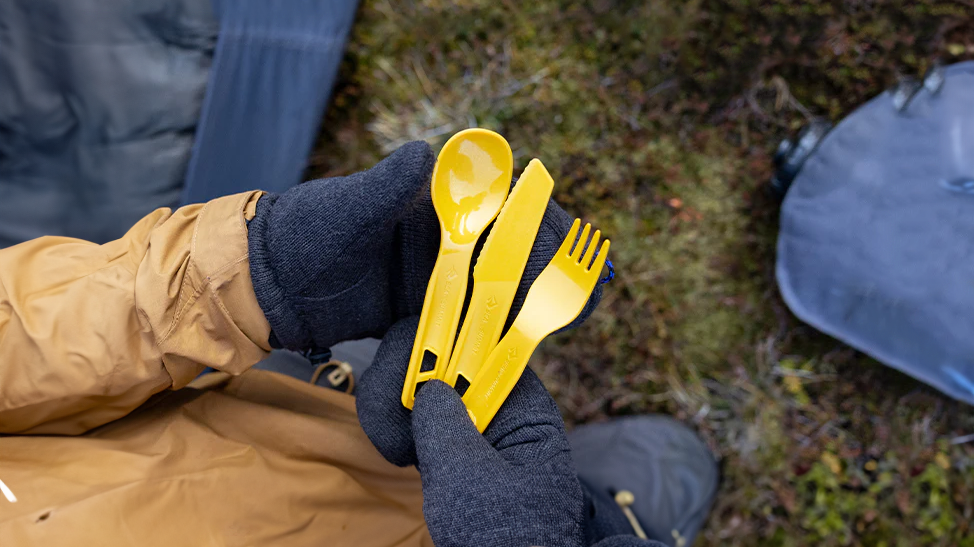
554 300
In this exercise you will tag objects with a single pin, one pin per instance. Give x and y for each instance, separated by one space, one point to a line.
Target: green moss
657 121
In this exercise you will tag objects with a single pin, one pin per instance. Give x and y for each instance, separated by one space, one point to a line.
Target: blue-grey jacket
112 108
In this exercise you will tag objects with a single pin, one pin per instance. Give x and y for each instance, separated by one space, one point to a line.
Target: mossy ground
658 120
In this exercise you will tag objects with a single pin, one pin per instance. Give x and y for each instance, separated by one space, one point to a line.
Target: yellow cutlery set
470 188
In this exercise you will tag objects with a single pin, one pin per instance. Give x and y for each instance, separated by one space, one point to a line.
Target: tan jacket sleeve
89 332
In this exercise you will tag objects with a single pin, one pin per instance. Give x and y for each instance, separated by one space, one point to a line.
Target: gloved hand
345 258
513 486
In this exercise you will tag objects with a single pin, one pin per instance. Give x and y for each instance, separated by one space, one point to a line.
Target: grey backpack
877 229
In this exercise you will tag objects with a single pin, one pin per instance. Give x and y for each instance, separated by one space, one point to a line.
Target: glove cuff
287 328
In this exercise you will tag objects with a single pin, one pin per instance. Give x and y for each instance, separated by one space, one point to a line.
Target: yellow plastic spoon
470 184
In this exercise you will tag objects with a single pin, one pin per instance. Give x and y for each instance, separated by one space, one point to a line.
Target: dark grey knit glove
513 486
342 258
345 258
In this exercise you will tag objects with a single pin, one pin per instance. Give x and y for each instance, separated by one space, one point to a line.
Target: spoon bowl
470 183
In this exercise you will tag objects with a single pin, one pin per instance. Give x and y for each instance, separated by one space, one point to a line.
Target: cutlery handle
489 306
438 323
499 375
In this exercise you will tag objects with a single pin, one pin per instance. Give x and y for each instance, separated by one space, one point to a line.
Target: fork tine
577 252
566 245
600 259
590 251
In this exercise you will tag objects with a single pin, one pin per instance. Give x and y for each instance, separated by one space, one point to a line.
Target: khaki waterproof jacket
104 440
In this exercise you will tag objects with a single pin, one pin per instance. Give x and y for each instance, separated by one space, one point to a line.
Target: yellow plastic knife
498 273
